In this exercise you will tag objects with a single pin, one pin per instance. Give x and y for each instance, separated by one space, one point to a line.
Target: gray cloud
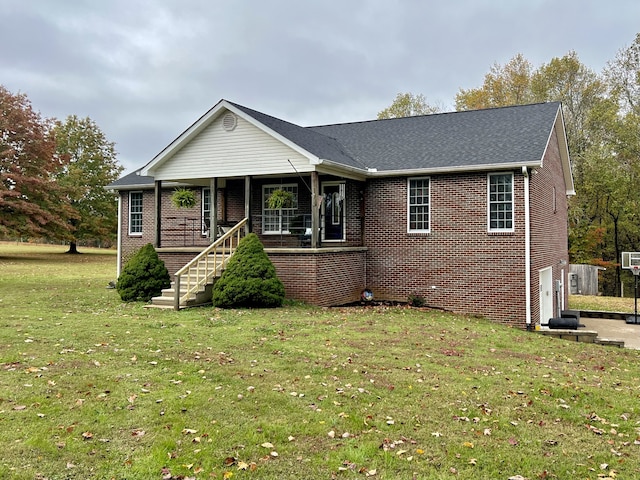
145 70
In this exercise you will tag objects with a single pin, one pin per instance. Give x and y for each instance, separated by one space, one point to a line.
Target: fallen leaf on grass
87 435
267 445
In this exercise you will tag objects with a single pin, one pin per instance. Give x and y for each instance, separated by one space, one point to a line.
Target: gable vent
229 121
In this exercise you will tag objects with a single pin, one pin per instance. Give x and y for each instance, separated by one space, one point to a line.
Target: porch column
315 209
157 220
247 203
213 210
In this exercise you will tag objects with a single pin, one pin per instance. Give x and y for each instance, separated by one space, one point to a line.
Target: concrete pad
612 329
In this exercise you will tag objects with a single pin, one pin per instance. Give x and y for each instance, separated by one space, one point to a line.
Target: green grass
94 388
601 304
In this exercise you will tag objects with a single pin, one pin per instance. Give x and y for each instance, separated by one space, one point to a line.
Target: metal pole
635 298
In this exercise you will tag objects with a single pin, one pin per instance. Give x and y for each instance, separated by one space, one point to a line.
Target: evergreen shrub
143 277
249 279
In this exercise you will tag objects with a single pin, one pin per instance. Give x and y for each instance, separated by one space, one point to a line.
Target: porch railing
207 265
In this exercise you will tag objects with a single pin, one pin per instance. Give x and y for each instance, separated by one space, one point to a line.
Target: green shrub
416 300
249 280
143 277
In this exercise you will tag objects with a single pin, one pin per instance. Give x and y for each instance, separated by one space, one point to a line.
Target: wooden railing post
176 293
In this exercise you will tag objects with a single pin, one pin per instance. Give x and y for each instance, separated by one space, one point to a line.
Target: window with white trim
500 202
418 212
206 210
135 213
277 220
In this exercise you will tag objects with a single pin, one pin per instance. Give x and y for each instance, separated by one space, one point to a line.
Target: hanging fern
183 198
280 199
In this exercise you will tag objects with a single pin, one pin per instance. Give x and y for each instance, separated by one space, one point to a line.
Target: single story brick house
467 210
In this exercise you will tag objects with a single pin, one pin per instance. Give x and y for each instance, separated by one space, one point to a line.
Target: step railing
207 265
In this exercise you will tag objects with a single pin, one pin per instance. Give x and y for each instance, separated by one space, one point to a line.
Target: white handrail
198 272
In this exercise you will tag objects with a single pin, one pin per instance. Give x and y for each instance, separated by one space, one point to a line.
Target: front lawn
94 388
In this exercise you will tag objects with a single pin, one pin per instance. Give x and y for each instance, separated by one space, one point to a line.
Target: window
418 204
135 213
206 210
501 202
277 220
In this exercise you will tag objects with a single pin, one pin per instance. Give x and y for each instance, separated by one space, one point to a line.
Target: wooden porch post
213 210
315 209
157 220
247 203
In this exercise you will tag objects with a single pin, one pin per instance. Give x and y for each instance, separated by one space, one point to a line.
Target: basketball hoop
631 261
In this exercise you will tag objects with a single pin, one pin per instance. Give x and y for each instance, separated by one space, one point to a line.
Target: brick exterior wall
325 279
549 226
458 266
132 243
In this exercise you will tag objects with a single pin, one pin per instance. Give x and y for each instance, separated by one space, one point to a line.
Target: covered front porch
315 243
325 212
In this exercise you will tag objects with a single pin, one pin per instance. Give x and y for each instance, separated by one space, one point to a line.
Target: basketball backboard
630 260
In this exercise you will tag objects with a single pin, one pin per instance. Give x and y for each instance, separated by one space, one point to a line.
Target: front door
546 295
333 211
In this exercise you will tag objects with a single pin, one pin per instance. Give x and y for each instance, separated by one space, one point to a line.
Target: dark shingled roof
470 139
450 140
130 182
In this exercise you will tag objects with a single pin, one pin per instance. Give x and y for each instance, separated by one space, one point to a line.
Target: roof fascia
459 169
143 186
561 134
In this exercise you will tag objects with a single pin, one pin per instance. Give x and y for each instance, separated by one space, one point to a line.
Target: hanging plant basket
280 199
183 198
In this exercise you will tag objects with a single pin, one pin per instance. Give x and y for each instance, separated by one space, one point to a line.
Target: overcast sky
146 70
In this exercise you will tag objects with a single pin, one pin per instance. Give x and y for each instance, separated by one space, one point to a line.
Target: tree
580 90
90 164
32 203
143 277
623 76
408 105
249 279
503 85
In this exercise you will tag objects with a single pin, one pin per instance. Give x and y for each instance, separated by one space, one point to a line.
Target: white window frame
497 201
283 214
206 207
410 205
137 213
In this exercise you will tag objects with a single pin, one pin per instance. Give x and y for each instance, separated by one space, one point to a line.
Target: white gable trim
563 147
203 122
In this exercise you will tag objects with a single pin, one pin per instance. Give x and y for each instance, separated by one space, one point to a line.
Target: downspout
119 240
527 249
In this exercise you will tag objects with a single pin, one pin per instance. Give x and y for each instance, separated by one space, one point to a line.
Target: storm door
333 211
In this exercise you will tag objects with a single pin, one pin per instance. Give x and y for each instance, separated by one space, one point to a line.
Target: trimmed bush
249 280
143 277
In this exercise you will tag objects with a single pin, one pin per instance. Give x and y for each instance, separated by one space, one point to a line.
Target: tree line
602 120
52 176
